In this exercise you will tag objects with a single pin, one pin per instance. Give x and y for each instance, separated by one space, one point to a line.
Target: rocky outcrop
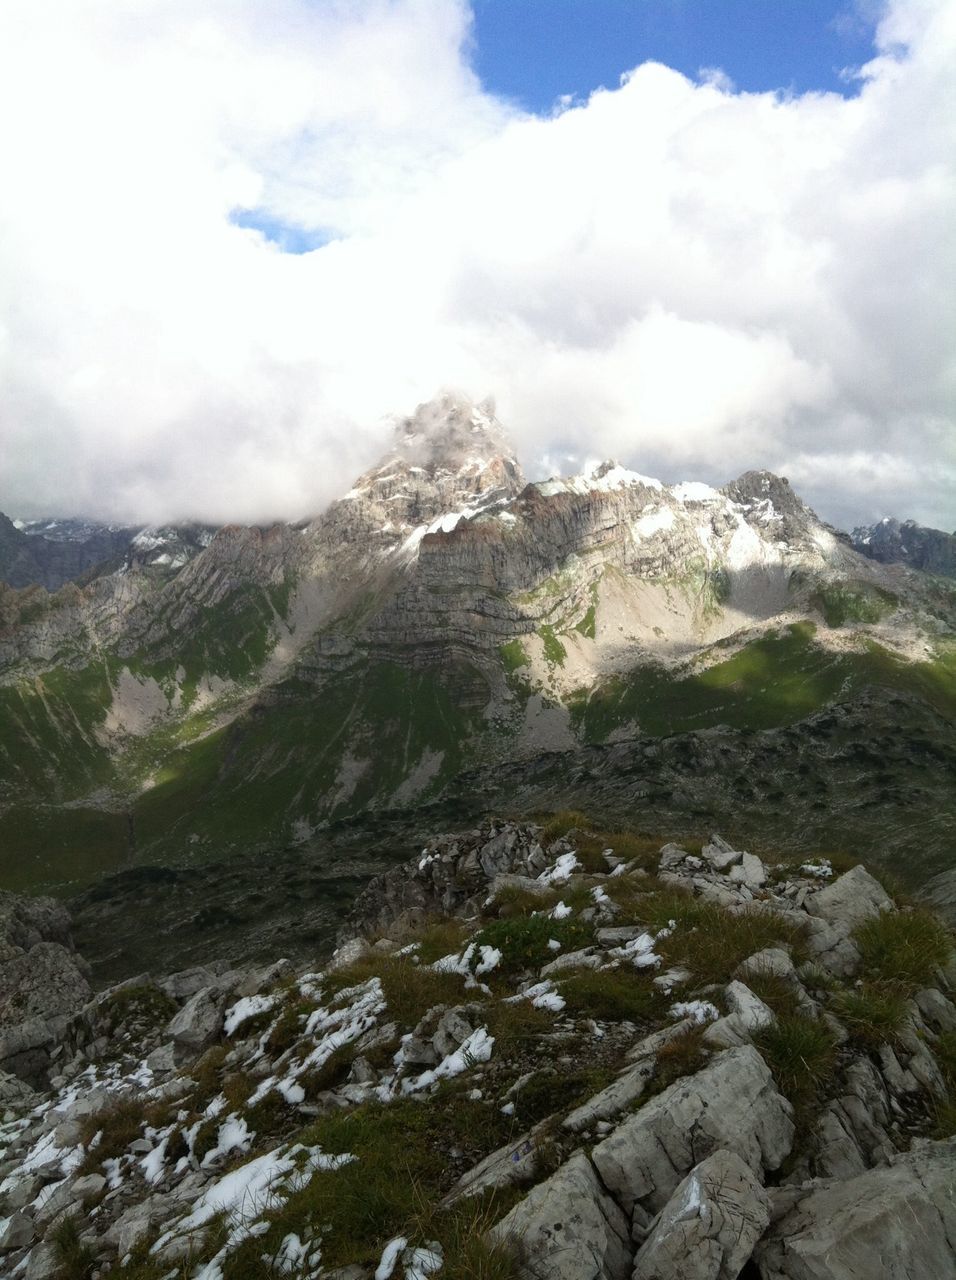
898 1222
42 984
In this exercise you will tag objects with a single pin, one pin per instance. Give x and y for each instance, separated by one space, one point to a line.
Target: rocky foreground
538 1052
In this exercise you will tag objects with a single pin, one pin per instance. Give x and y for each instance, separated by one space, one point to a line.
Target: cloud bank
693 280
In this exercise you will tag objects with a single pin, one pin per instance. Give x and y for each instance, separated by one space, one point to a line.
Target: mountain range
447 636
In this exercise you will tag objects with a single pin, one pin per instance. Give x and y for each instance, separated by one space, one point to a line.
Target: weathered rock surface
568 1228
708 1228
896 1223
732 1103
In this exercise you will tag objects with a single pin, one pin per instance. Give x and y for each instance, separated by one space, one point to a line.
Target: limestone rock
568 1228
198 1023
614 1099
732 1103
708 1229
896 1223
719 854
749 872
850 900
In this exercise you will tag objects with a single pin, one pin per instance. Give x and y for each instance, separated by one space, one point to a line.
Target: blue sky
534 51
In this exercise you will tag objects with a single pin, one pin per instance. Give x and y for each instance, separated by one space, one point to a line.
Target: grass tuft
614 995
905 947
873 1014
523 940
801 1053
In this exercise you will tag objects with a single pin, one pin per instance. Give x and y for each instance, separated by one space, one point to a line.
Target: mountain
891 542
445 631
51 552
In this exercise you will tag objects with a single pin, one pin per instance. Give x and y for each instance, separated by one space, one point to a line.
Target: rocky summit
538 1051
714 655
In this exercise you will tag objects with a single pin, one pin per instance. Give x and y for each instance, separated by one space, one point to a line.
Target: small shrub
801 1053
613 995
904 947
873 1014
523 940
75 1259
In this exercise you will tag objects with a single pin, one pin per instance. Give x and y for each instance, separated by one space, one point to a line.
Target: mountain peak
451 433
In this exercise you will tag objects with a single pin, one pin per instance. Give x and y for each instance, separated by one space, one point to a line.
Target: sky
237 237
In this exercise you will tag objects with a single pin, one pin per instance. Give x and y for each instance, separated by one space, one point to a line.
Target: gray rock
750 872
708 1229
88 1187
772 962
526 884
672 855
732 1103
198 1023
263 979
453 1029
938 1012
568 1228
850 900
719 854
895 1223
139 1220
17 1233
348 953
615 935
44 1263
515 1163
587 958
614 1099
831 947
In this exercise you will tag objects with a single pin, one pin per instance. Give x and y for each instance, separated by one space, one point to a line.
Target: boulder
568 1228
896 1222
850 900
732 1103
708 1228
510 1165
16 1232
719 854
749 872
198 1023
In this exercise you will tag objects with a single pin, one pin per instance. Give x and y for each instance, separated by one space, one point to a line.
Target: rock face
455 617
897 1222
42 983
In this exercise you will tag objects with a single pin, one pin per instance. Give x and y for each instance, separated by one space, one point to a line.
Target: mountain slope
441 617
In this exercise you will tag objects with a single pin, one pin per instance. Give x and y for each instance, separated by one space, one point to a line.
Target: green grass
771 682
513 656
587 626
554 651
859 603
614 995
873 1014
801 1053
904 947
523 940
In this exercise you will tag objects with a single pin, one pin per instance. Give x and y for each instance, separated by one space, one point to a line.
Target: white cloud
692 279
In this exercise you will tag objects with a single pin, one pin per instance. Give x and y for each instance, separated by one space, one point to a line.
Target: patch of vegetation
801 1053
143 1003
554 651
513 656
587 626
511 900
904 947
552 1093
614 995
861 603
517 1025
872 1013
523 940
410 989
776 992
771 682
682 1055
75 1259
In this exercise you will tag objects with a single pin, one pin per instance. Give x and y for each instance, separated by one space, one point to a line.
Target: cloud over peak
692 279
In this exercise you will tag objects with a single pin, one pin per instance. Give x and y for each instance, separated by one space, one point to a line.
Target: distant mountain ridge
891 541
445 619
